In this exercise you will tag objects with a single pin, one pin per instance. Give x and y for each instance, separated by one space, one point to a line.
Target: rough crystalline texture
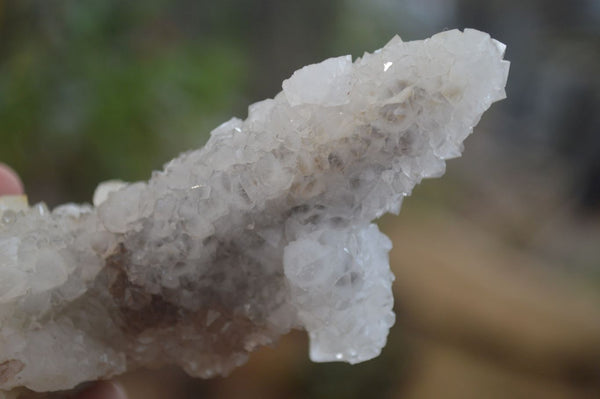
265 229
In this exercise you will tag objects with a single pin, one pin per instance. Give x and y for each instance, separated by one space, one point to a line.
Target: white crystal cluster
265 229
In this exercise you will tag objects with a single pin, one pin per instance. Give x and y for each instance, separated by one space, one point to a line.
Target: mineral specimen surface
265 229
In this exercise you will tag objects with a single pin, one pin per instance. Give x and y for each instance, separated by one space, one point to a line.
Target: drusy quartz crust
264 229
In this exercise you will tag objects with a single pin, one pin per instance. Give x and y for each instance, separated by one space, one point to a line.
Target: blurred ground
497 264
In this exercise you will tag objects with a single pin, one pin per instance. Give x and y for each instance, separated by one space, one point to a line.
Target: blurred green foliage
98 90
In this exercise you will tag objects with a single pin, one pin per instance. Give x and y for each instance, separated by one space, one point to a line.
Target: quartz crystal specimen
265 229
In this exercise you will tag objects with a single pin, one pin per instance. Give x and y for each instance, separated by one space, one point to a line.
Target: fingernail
10 184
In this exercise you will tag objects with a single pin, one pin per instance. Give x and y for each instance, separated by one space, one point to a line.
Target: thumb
103 390
10 184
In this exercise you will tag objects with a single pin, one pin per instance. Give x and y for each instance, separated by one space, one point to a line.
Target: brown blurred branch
466 292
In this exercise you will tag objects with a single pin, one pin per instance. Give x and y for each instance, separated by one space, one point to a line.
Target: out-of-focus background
497 264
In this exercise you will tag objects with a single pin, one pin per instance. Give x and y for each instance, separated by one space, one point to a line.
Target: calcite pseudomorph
264 229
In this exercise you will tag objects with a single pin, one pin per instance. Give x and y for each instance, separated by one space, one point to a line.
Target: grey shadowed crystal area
265 229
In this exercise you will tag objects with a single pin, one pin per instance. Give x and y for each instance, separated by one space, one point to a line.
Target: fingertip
103 390
10 184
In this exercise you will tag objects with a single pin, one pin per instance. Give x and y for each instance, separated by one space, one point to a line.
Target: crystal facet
264 229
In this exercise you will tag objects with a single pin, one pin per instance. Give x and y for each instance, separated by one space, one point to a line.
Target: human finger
10 184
